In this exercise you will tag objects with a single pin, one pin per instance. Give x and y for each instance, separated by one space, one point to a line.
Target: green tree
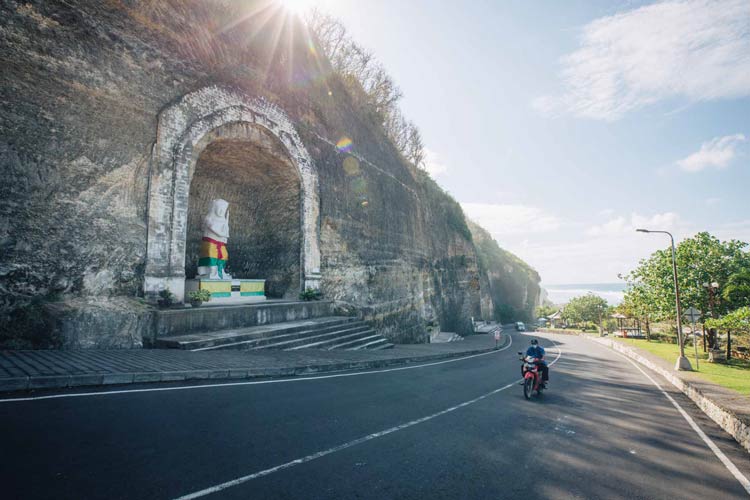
587 308
638 303
737 290
545 310
702 259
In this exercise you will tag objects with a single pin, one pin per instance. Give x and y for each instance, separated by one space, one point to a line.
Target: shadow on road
610 433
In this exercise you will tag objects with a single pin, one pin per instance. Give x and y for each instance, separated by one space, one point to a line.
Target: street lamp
712 288
682 362
600 309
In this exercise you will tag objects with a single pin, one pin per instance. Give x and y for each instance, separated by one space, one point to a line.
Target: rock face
83 91
509 287
108 323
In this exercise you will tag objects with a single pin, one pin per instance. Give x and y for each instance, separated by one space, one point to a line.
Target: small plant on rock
197 297
310 294
166 298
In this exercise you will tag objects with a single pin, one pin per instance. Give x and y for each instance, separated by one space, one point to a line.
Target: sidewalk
24 370
728 408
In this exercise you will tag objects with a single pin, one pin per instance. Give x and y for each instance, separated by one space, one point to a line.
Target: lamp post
682 362
713 288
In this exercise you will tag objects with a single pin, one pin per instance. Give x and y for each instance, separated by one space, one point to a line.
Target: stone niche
262 186
219 143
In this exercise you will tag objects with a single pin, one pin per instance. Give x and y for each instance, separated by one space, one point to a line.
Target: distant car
520 326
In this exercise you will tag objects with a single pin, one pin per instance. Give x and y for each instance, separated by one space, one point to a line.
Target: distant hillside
509 286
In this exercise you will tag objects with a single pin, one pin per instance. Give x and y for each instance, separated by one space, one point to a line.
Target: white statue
214 255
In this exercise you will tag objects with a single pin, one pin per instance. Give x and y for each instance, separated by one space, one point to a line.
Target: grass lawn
734 375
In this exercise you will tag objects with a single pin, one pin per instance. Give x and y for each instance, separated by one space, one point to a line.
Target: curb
68 381
737 427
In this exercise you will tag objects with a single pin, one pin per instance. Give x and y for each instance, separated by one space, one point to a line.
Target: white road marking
254 382
364 439
719 454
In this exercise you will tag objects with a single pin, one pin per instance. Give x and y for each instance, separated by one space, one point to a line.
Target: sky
561 127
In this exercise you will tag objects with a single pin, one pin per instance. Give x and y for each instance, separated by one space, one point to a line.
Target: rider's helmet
534 341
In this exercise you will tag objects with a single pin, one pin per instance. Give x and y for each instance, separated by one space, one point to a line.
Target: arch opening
262 187
187 128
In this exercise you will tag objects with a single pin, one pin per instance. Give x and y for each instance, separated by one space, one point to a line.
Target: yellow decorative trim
252 286
217 286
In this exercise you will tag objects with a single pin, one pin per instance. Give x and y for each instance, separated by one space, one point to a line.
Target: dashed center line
364 439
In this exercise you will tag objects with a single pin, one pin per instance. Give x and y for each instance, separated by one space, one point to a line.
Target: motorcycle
532 375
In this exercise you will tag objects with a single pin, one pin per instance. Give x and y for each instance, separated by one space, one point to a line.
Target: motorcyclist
537 351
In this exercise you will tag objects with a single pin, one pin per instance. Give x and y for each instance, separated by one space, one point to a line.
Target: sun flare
297 6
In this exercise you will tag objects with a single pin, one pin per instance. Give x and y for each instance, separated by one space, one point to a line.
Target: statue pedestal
227 292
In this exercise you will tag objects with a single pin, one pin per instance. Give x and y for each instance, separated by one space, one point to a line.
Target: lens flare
351 166
311 48
344 145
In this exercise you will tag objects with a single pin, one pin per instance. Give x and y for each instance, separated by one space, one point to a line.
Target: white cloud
666 221
511 219
694 49
712 202
433 164
736 230
601 252
718 152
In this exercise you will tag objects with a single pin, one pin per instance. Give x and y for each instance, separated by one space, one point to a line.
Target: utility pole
682 362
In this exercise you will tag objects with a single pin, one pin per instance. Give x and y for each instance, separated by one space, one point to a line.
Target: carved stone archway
184 130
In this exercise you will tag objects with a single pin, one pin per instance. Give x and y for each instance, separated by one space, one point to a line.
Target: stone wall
81 91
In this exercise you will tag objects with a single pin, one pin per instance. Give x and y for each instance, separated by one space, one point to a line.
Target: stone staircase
276 331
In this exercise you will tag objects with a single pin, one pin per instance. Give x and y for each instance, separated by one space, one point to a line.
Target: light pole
682 362
712 289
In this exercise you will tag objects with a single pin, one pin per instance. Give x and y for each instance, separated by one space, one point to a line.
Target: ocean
561 294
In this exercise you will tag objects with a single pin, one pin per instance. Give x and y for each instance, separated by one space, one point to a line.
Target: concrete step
354 342
282 340
369 343
187 320
225 338
314 339
330 332
305 335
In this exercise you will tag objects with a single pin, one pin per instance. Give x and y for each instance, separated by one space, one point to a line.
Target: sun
297 6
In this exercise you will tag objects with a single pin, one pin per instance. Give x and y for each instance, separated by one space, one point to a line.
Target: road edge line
723 417
739 476
424 362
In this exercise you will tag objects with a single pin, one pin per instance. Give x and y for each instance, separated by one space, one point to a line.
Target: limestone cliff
510 287
81 92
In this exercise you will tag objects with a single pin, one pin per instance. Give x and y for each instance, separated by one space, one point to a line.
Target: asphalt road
458 429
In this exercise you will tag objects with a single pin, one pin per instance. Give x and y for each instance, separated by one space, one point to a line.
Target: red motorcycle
532 375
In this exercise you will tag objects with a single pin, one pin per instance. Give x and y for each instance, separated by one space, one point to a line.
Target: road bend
454 429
